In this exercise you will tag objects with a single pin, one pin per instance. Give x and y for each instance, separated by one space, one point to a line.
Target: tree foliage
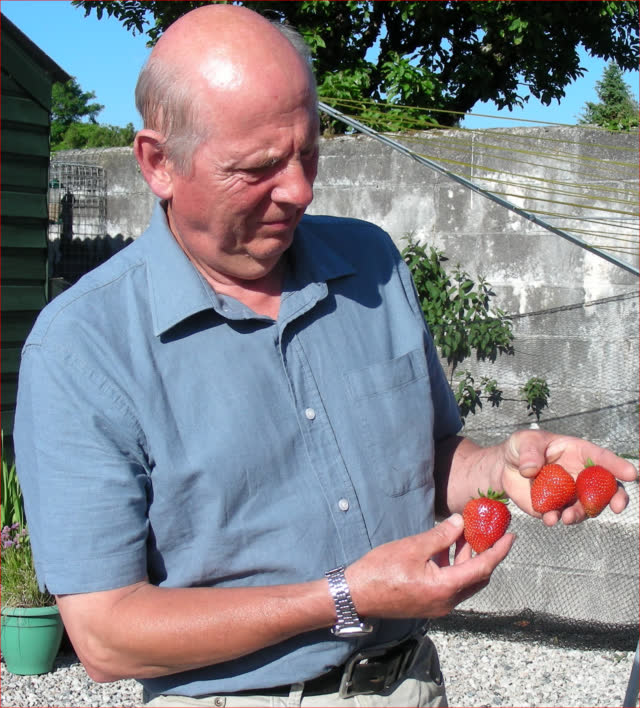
95 135
70 104
445 55
617 109
74 121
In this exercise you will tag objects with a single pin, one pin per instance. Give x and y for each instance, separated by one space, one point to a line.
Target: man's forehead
250 112
266 140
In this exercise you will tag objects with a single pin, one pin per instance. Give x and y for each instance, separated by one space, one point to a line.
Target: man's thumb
445 534
448 531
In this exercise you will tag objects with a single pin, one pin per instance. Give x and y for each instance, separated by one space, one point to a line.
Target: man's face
236 211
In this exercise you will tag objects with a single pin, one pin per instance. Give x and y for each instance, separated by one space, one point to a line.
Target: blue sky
106 59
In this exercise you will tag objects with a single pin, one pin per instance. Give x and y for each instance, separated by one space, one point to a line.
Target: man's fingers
551 518
463 551
619 500
474 574
494 555
498 552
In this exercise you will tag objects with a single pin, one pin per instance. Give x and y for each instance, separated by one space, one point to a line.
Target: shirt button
343 504
310 413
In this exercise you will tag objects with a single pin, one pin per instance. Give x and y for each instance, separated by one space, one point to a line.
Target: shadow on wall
70 259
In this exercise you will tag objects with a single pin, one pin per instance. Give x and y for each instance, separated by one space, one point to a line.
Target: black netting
583 576
588 353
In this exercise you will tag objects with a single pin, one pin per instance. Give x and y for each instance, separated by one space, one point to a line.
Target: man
234 436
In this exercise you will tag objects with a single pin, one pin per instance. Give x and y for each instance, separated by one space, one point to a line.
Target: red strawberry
486 519
553 488
595 487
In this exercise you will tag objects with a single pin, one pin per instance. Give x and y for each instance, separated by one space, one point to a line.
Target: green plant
19 582
469 395
457 311
462 321
536 393
12 506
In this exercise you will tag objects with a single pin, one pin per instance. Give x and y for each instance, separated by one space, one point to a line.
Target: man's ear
155 168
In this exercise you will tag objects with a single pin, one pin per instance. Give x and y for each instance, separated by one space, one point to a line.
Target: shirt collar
177 291
314 258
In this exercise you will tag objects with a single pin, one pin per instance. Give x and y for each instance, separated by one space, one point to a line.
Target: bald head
206 60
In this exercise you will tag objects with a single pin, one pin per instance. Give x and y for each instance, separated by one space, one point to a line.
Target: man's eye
310 154
264 167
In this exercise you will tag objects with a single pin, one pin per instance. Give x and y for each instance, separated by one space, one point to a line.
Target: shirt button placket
310 413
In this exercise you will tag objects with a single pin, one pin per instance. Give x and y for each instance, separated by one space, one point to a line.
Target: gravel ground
487 671
510 667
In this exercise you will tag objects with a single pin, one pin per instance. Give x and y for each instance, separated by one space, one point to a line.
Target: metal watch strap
348 622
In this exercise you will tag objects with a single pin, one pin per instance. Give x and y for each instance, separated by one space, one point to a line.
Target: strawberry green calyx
496 496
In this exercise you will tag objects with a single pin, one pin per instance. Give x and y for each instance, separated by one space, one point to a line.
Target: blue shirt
163 430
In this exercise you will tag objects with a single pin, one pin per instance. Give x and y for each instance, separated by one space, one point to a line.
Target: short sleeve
79 457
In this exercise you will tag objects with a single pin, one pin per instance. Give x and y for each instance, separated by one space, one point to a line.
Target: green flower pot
30 638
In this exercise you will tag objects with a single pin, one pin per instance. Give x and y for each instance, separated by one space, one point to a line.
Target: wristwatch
349 623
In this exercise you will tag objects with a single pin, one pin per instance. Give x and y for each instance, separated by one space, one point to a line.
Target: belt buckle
373 670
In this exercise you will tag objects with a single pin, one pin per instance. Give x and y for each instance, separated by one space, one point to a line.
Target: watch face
355 631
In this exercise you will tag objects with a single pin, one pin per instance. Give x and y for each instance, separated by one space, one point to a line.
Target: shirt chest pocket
394 410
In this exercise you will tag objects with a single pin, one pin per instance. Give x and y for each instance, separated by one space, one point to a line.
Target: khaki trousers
423 686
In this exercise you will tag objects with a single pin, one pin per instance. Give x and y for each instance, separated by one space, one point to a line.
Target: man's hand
527 450
413 577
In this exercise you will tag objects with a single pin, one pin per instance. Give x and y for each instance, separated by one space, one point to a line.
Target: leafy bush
536 394
12 506
19 582
462 322
457 311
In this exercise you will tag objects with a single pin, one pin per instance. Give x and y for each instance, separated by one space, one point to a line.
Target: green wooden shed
27 78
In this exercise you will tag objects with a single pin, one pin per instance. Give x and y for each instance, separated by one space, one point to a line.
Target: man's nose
294 184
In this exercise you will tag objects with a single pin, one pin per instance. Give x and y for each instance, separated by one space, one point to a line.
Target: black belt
325 683
370 670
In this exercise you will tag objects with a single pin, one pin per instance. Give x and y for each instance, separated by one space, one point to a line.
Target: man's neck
262 295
